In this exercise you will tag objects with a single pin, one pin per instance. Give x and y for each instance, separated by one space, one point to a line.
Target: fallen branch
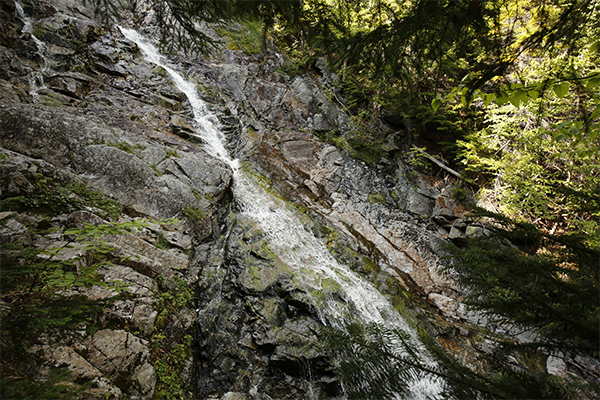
438 163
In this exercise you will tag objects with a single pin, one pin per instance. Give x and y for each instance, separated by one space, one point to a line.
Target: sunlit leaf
518 97
561 89
593 82
435 104
501 98
488 98
464 101
515 101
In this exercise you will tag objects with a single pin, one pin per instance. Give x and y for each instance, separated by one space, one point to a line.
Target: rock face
86 138
402 219
91 134
258 334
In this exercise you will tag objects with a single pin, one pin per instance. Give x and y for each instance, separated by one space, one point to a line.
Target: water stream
36 78
296 246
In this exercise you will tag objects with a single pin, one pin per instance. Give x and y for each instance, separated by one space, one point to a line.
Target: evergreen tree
546 283
375 362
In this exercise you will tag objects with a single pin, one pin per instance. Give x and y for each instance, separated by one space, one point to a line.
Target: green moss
92 198
170 359
51 99
376 198
155 169
53 196
171 152
248 37
126 147
58 385
358 146
193 213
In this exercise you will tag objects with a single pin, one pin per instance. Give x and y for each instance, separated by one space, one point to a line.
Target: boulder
125 358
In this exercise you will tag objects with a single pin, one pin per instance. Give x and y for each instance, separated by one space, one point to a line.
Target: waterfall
36 79
296 246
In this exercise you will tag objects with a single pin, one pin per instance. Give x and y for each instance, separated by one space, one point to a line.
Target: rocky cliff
92 134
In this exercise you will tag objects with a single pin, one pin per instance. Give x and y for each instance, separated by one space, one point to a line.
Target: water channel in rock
313 265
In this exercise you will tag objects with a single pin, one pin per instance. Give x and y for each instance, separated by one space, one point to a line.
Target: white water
36 79
288 238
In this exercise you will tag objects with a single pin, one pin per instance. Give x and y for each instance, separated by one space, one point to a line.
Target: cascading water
36 78
295 245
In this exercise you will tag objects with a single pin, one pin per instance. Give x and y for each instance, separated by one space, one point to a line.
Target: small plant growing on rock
126 147
41 285
247 37
376 198
168 358
193 213
459 194
171 152
52 196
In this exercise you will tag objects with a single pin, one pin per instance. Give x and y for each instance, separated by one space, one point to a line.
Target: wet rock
70 84
118 173
258 332
102 126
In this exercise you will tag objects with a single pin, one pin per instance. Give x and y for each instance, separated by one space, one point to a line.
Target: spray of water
288 238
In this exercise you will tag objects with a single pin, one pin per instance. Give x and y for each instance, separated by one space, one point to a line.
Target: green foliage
193 213
58 386
366 147
376 362
459 194
168 366
41 285
126 147
248 36
334 139
170 360
161 241
538 153
368 363
549 284
171 152
293 66
417 158
53 196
